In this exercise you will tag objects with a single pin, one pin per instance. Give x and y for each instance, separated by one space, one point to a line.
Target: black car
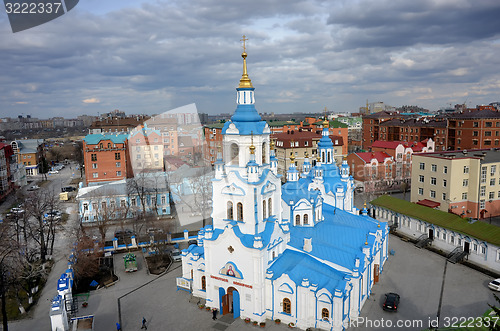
391 302
68 189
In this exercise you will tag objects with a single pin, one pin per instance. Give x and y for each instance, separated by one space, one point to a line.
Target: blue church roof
299 265
339 238
246 128
294 191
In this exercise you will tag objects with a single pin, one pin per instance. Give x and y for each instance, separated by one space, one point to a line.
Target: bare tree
8 270
87 255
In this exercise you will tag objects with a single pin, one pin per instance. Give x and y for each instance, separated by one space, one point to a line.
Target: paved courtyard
417 275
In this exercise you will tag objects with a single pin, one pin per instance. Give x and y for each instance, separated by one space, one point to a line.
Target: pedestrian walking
118 327
214 314
144 323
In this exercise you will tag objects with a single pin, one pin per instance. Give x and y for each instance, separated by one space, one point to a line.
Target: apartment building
169 132
302 144
474 129
213 138
466 183
106 158
375 169
7 159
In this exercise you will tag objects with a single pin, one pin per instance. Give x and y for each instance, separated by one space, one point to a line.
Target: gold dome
245 81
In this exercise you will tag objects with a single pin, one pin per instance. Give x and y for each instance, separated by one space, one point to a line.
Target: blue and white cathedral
300 251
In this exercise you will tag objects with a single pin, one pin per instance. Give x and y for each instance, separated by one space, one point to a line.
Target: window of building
118 164
445 182
444 196
433 180
433 167
138 140
492 181
483 250
306 219
133 202
475 124
493 170
229 210
487 142
444 236
445 169
421 178
93 157
475 142
483 174
464 196
466 169
163 199
488 124
475 133
138 149
487 133
94 165
203 283
491 195
85 206
297 219
239 209
422 166
118 156
287 306
465 183
482 192
420 191
118 173
433 194
270 206
264 208
325 314
95 175
482 204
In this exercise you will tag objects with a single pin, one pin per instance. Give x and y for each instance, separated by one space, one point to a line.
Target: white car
33 188
495 285
53 172
176 255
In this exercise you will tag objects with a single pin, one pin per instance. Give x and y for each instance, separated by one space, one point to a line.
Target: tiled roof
486 113
367 157
415 123
302 136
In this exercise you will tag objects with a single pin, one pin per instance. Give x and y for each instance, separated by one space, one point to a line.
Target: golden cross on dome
244 44
325 112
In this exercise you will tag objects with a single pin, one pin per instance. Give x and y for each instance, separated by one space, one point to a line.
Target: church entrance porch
230 302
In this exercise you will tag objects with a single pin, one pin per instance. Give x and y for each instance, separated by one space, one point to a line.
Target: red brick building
474 129
106 158
375 169
6 179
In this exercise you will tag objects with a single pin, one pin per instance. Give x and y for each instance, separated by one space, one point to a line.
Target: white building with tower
299 252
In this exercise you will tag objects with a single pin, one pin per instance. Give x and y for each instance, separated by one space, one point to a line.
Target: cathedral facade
299 252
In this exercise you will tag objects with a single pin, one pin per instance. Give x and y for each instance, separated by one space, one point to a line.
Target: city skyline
302 56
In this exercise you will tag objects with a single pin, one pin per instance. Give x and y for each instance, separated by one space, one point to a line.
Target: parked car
53 171
122 234
33 188
68 189
391 302
495 284
176 255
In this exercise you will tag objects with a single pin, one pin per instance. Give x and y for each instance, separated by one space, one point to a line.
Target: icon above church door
231 270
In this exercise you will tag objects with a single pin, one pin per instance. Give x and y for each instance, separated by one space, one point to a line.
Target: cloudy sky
152 56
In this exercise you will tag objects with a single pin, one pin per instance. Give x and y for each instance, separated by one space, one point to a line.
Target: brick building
7 159
376 170
299 143
213 138
117 124
106 158
474 129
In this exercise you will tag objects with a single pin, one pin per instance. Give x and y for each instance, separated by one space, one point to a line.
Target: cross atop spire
244 43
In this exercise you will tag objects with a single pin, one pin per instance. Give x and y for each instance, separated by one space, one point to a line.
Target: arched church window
306 219
274 255
203 283
239 211
264 209
297 219
287 306
323 158
270 207
325 314
264 155
329 157
229 210
234 153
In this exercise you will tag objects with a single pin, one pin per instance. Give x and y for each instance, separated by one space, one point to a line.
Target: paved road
38 318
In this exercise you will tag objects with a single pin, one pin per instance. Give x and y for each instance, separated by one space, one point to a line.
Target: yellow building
466 183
